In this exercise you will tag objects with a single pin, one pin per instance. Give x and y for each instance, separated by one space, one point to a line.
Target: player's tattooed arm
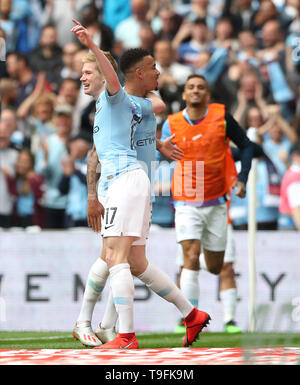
93 173
95 209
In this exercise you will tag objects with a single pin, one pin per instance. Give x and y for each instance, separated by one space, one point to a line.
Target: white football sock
189 285
110 316
122 287
202 261
95 284
162 285
228 299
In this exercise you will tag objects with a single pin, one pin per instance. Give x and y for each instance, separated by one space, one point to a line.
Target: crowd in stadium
249 52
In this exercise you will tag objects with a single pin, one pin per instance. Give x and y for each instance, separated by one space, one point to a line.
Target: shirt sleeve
257 151
166 130
116 98
235 133
146 106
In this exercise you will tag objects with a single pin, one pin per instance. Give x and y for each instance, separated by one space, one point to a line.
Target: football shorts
127 206
208 224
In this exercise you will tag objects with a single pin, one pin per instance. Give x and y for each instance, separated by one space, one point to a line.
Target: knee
227 270
191 260
135 271
216 269
110 257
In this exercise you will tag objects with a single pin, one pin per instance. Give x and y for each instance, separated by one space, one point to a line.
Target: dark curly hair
131 57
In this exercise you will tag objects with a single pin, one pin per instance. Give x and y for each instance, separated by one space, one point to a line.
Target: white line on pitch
34 338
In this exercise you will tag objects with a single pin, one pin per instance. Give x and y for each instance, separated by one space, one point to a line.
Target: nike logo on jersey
196 137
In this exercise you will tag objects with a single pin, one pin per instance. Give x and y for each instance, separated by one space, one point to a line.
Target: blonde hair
48 99
91 58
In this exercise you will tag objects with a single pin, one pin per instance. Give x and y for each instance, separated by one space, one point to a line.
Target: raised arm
110 76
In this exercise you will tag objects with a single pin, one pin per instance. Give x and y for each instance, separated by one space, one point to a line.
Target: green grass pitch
65 340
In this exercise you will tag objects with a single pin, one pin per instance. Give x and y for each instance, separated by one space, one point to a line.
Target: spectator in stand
8 159
8 25
267 186
60 13
27 17
147 38
18 139
199 40
28 189
224 35
77 62
37 118
212 65
69 51
241 13
18 68
8 93
199 9
69 94
25 109
278 138
127 31
267 11
272 44
173 75
272 56
248 46
91 18
73 182
170 23
47 56
48 163
290 193
250 93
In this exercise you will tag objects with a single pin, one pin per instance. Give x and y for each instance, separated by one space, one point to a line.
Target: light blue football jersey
145 144
117 118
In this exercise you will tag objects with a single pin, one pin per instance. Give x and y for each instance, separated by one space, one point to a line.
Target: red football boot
122 341
194 323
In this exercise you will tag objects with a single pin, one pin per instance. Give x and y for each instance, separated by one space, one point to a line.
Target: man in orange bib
202 179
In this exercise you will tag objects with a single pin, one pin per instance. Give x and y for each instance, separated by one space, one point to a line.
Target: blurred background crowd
249 52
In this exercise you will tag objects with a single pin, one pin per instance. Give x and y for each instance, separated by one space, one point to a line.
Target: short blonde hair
91 58
48 99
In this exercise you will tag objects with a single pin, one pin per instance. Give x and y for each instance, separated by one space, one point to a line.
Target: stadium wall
42 277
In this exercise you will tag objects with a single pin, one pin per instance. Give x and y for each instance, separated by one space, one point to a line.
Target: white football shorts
208 224
230 251
127 206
